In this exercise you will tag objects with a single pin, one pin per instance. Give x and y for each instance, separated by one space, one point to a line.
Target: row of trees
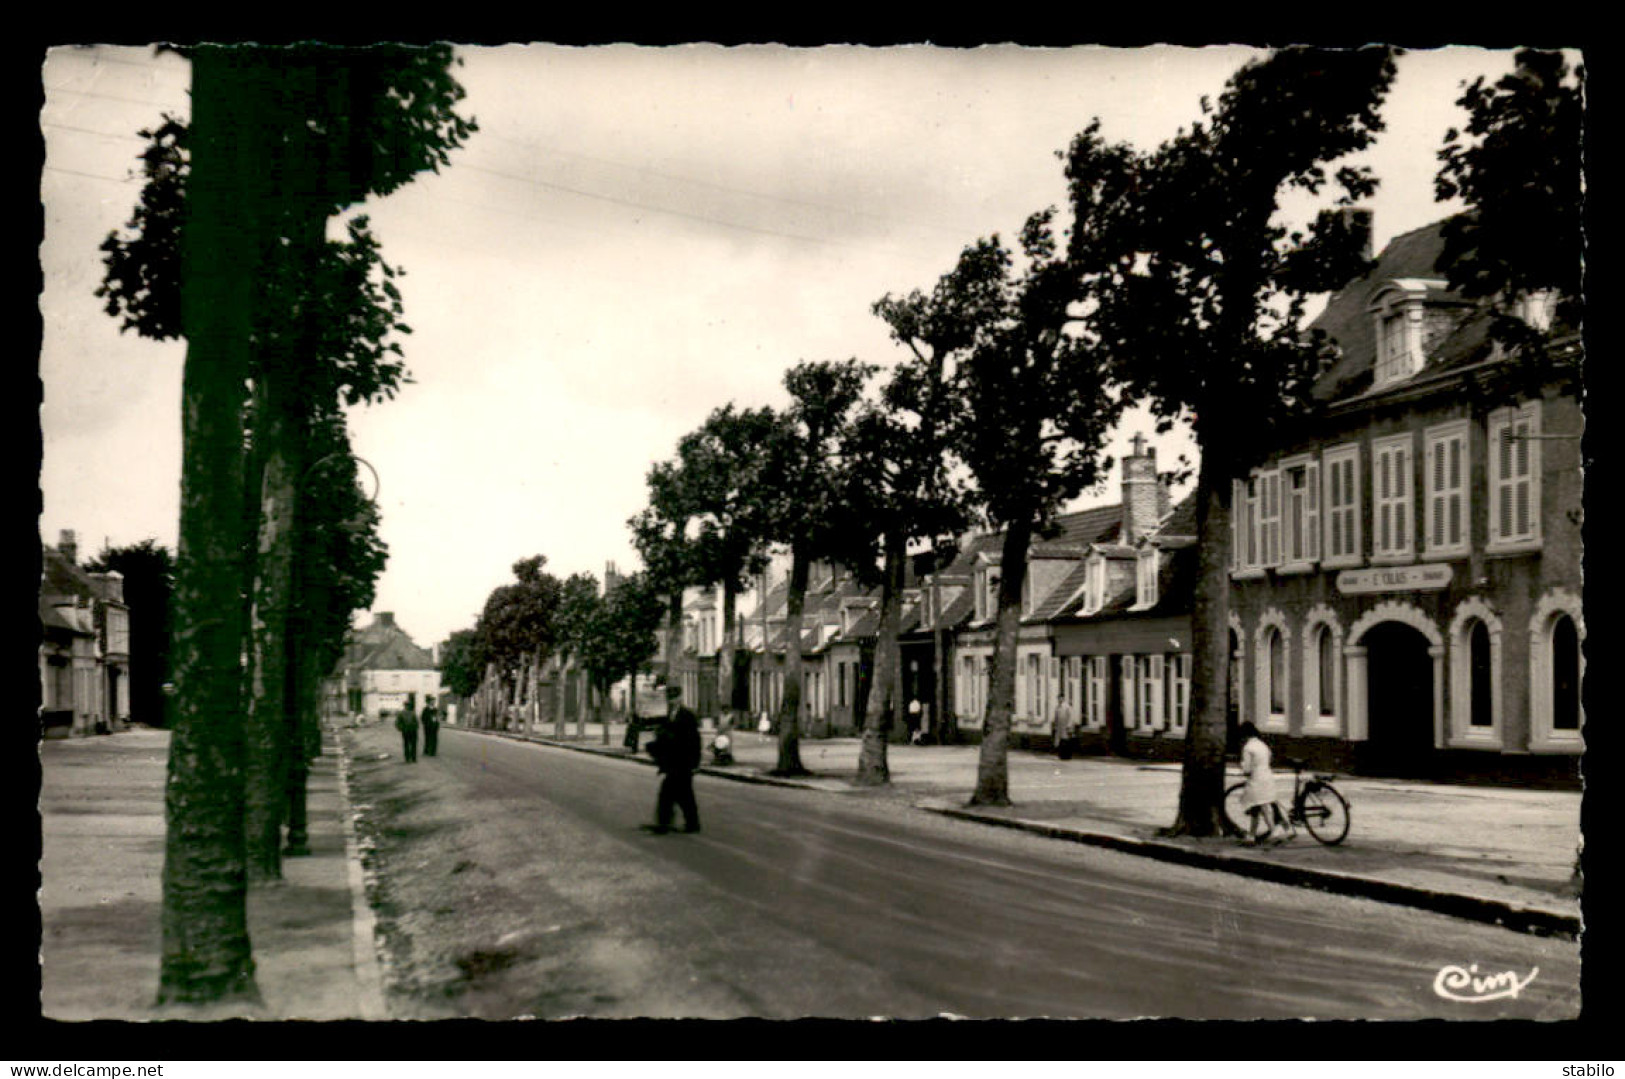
284 328
1178 287
608 635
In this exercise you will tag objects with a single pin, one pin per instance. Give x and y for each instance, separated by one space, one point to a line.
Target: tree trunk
885 697
583 698
564 689
993 764
1201 787
790 706
206 954
266 776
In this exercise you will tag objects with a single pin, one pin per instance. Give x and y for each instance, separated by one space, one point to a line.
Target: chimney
69 546
1358 222
384 618
1143 492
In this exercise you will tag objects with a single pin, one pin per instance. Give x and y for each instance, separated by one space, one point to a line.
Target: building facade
381 669
1407 578
84 651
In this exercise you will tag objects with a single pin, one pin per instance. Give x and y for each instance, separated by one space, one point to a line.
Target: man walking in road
677 751
406 721
431 728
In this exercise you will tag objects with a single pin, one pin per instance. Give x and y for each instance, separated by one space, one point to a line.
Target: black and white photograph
757 531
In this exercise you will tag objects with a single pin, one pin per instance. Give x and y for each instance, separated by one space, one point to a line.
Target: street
511 879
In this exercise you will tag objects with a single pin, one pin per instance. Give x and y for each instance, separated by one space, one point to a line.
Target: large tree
577 612
1036 414
718 466
801 504
279 139
460 668
900 464
661 535
518 627
620 640
148 569
1204 309
1518 166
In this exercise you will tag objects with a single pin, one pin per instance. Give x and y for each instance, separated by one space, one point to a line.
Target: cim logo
1454 983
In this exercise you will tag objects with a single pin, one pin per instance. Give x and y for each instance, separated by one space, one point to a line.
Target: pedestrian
676 750
1063 731
1258 796
914 720
407 723
431 728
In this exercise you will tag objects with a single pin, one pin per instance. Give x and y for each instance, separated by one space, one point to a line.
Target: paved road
513 879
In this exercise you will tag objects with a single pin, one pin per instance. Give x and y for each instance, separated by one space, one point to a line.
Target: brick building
1406 579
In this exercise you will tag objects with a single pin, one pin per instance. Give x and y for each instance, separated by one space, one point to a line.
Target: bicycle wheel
1234 815
1325 813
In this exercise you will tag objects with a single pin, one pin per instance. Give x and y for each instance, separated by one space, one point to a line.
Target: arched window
1277 672
1326 667
1565 674
1480 681
1557 636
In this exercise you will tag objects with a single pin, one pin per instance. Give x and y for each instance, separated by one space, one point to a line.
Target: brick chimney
384 618
68 544
1144 496
1359 222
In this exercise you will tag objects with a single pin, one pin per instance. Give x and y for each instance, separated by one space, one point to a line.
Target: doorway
1399 694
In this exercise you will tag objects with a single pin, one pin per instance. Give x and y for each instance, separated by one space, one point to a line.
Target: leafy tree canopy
1519 168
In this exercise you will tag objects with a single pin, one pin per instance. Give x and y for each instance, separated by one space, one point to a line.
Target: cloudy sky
634 237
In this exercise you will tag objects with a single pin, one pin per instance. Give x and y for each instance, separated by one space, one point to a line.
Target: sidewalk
102 810
1496 854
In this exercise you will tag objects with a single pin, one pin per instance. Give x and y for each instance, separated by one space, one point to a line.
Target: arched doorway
1399 700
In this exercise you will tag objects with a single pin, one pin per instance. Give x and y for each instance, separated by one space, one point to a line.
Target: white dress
1255 765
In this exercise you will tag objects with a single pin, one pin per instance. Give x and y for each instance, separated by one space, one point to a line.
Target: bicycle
1316 805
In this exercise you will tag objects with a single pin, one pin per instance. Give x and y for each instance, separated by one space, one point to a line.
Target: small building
84 651
381 668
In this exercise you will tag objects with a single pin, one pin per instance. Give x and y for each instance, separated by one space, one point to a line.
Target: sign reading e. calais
1394 578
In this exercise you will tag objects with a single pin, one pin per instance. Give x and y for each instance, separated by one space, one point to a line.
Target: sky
635 237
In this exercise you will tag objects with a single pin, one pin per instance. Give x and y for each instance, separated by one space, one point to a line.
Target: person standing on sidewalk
1258 797
676 750
431 728
406 721
1063 731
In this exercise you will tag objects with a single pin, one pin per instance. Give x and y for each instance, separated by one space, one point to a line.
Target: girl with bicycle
1258 797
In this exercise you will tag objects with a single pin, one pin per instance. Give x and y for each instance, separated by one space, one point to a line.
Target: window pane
1328 672
1565 675
1480 688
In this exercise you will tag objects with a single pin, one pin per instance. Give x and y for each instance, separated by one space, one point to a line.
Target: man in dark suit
431 728
677 751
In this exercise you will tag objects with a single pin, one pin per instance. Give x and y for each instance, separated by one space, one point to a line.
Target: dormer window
987 593
1094 584
1398 310
1146 579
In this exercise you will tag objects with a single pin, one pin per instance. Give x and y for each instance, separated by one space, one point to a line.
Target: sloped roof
1059 596
1348 321
384 646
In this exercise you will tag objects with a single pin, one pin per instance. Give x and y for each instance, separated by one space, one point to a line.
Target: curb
1500 912
369 975
1493 911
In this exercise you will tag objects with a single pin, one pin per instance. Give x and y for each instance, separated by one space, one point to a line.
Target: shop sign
1394 579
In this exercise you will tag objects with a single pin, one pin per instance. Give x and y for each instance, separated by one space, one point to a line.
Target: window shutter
1131 696
1402 499
1159 703
1311 524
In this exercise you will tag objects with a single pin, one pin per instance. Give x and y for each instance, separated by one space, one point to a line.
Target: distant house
1105 624
380 669
84 651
